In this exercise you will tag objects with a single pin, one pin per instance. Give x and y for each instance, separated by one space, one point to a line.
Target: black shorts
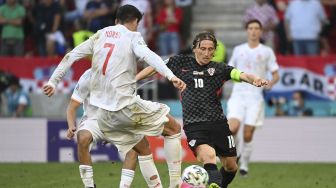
215 134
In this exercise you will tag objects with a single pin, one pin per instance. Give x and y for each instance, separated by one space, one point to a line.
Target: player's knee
234 126
171 128
84 138
231 166
132 155
207 157
248 137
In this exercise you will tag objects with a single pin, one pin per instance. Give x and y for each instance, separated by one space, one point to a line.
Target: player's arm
82 50
275 79
71 117
238 76
145 73
145 54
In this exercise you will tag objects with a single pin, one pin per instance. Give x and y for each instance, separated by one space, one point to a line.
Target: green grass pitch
107 175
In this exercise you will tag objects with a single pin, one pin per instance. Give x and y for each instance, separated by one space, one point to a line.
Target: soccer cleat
93 186
214 185
243 173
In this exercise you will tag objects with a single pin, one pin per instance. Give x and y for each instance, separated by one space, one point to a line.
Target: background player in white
254 58
123 117
88 134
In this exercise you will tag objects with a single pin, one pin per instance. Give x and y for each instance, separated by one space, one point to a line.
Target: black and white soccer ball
195 175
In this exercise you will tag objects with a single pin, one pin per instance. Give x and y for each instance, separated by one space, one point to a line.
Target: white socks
126 178
86 173
173 153
148 170
246 155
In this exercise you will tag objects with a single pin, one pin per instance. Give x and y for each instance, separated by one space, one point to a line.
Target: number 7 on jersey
111 47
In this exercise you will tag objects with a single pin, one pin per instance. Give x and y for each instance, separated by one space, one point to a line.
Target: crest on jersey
192 142
211 71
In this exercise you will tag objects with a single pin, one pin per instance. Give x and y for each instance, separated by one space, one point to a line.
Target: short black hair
253 21
128 13
206 35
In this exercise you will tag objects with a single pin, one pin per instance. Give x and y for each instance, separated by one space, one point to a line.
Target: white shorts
250 111
91 125
126 127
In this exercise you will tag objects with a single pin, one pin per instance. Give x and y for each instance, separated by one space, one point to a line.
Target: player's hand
178 83
71 132
259 82
48 90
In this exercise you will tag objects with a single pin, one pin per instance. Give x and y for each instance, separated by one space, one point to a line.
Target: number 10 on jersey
198 82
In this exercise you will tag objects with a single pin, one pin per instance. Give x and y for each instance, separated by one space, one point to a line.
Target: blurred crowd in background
50 28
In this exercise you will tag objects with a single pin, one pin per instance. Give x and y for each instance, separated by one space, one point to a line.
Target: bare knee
206 154
172 127
229 163
234 125
84 138
248 133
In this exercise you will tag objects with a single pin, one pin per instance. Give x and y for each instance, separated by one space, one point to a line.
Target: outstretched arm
253 79
82 50
145 73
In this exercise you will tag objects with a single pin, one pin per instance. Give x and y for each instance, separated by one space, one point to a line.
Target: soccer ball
195 175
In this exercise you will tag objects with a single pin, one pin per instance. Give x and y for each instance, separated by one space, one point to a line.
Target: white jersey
257 61
115 52
81 94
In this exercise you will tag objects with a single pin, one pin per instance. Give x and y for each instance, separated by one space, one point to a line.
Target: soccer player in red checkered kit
205 125
256 58
123 117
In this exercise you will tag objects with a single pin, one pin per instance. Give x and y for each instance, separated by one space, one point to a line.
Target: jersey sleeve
82 89
229 72
145 54
83 50
272 64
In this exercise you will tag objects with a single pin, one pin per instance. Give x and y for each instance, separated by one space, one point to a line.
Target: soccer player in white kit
246 103
123 117
88 134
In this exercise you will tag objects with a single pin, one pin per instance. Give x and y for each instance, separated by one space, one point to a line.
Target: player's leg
207 156
247 149
255 114
173 151
88 134
156 121
128 169
225 148
84 139
234 125
228 170
235 115
146 163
